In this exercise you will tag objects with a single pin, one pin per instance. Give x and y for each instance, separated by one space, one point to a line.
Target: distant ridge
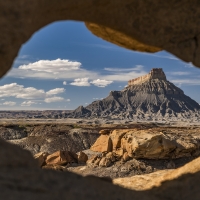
147 97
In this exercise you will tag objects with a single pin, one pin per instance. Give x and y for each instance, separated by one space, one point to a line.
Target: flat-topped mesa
155 73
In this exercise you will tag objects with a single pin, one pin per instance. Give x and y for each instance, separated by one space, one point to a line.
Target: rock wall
145 25
155 73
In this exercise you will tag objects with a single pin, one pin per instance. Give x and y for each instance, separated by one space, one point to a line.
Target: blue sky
63 66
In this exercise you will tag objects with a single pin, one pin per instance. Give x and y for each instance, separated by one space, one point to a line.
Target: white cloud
72 70
101 83
31 93
80 82
53 66
19 91
28 103
51 69
53 99
64 82
9 103
95 98
55 91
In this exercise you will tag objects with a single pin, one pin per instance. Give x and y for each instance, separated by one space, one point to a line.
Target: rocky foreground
151 160
128 152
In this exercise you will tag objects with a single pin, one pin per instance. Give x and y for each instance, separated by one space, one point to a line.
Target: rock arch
145 25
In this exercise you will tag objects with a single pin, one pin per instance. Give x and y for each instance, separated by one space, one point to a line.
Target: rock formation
50 137
146 25
126 144
148 97
148 181
171 25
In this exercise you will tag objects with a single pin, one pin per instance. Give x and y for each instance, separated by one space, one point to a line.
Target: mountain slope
150 96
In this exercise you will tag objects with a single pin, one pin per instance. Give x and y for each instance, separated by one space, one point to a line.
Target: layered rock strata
147 144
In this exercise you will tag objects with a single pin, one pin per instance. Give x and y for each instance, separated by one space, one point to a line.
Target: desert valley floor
113 151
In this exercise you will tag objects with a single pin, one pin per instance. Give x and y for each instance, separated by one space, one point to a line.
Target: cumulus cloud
53 66
55 91
68 100
53 99
19 91
101 83
9 103
51 69
80 82
72 70
28 103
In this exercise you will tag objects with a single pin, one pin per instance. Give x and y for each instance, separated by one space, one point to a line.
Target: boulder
125 156
41 157
94 160
102 144
119 153
56 158
105 162
82 157
185 147
61 158
116 137
111 156
147 144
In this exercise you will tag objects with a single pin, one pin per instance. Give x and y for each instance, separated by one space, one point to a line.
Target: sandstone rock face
144 182
41 157
147 144
116 137
139 25
150 97
21 179
103 144
61 158
120 39
167 25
